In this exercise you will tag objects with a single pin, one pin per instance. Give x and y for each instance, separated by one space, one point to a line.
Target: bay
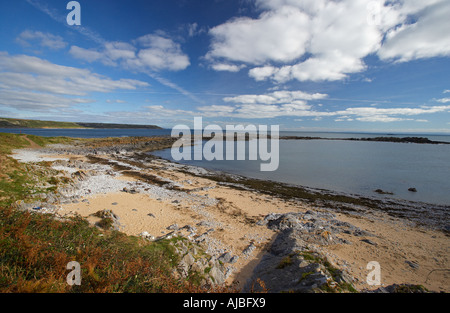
352 167
355 167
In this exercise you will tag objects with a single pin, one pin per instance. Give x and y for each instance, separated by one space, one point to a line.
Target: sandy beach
231 217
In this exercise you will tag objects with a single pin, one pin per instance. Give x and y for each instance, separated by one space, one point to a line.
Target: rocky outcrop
293 264
210 268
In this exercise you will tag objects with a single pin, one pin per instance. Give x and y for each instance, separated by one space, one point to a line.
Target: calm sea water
355 167
344 166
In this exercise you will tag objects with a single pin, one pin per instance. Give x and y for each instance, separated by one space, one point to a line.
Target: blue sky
313 65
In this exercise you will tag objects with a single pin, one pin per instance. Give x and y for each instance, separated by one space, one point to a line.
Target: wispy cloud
33 83
296 104
29 38
158 52
443 100
58 17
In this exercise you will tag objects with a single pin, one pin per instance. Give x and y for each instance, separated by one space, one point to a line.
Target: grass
335 273
19 181
13 122
35 248
286 261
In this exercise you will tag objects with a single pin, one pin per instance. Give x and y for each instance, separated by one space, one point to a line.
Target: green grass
35 248
19 181
335 273
13 122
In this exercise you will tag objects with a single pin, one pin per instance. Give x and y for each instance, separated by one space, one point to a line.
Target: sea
351 167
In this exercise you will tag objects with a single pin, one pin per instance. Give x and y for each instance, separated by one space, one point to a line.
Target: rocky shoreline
294 257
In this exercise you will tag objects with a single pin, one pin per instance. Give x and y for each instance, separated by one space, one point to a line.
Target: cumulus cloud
275 36
325 40
427 37
154 52
34 83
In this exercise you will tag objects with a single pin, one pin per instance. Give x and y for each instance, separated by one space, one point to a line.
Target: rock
217 275
370 242
166 236
402 288
173 227
225 258
186 263
268 218
247 251
284 221
382 192
80 175
205 224
412 189
108 219
147 236
128 190
413 264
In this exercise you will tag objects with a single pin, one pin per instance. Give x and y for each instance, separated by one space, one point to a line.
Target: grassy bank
35 248
19 181
21 123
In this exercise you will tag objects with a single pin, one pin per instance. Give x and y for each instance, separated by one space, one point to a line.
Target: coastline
247 217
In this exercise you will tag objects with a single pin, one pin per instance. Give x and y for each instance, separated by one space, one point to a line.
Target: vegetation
336 274
286 261
35 248
21 123
19 181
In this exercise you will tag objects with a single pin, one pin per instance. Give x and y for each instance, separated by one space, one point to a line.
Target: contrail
87 32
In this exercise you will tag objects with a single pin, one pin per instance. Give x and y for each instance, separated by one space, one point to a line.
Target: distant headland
23 123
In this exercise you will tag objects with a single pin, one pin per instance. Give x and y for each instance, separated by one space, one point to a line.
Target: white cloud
278 35
31 82
326 40
89 55
161 53
37 101
115 101
193 29
276 97
154 52
29 38
428 37
227 67
269 106
443 100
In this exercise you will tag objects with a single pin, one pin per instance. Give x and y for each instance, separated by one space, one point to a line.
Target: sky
307 65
